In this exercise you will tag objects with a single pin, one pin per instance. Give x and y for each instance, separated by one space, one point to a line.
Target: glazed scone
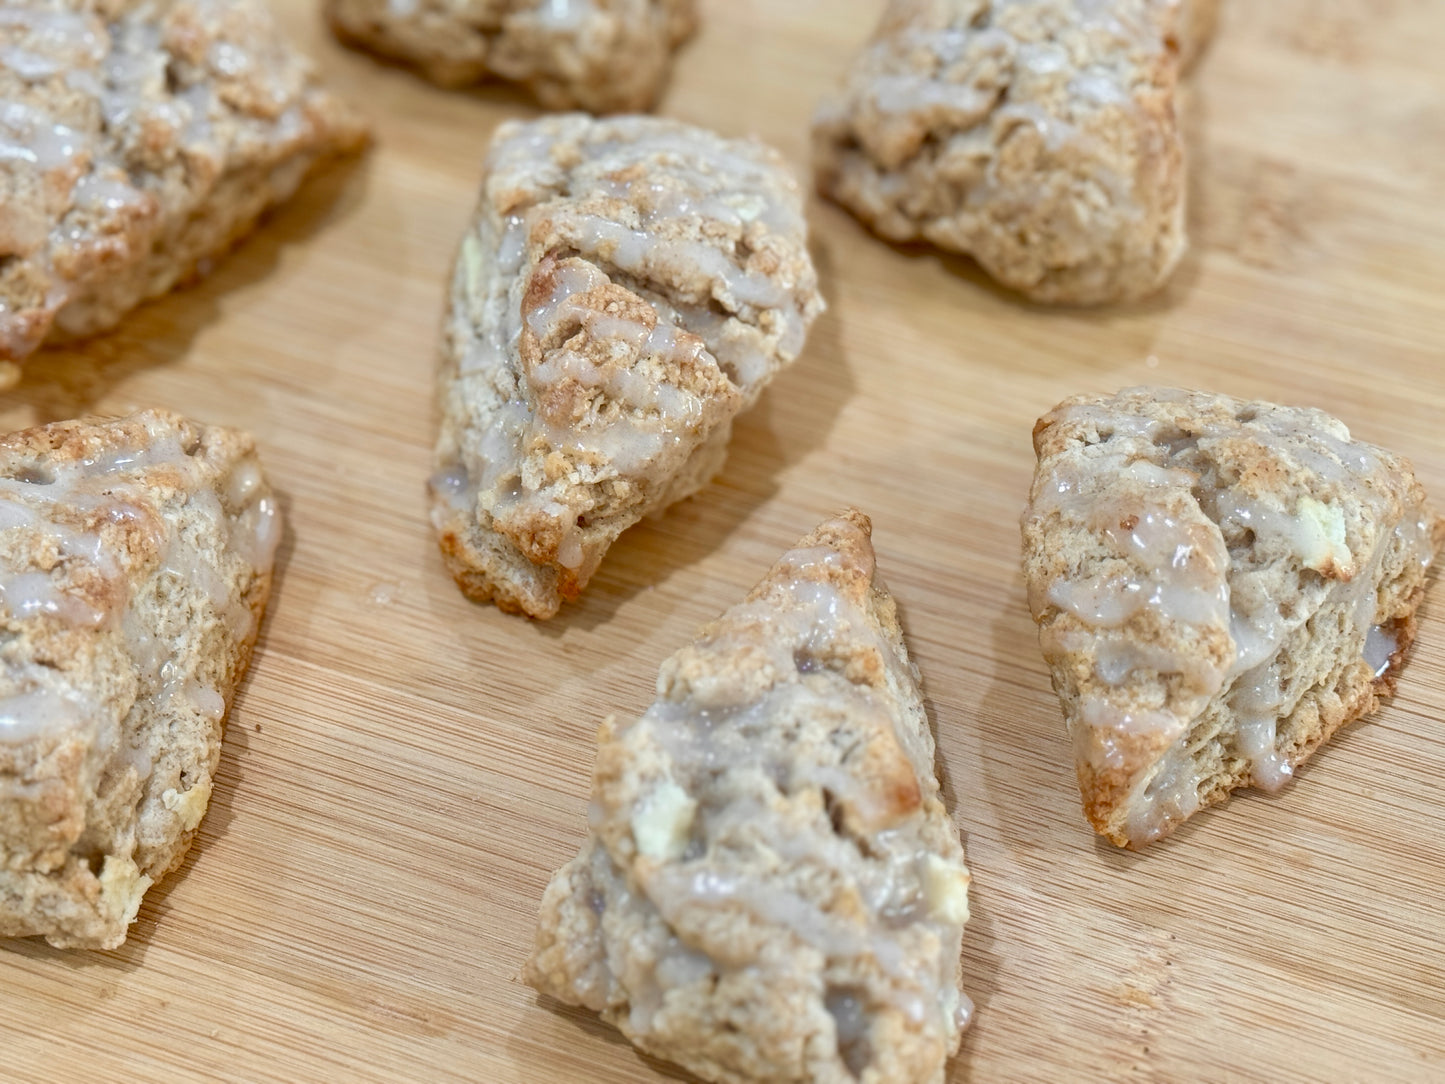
604 56
627 287
135 562
1038 137
772 890
138 141
1220 585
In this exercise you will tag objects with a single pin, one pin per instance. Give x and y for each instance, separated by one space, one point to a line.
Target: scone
771 890
1038 137
1220 586
627 287
135 562
138 141
605 56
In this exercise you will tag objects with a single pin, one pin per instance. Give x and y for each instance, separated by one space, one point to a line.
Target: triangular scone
1038 137
135 562
605 56
139 142
628 287
1220 585
772 889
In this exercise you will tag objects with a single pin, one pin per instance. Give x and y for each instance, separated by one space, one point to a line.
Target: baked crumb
1220 585
771 889
1037 137
627 288
604 56
135 563
138 142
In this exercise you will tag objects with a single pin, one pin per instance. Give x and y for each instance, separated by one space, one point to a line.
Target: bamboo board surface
403 769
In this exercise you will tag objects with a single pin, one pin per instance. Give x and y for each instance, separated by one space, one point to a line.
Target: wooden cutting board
403 769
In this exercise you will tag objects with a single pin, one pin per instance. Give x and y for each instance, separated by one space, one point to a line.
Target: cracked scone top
605 56
1220 585
137 141
772 889
135 562
628 286
1037 136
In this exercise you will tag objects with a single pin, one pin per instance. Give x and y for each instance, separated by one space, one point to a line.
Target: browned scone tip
771 889
1039 138
1220 585
604 56
141 142
135 563
627 288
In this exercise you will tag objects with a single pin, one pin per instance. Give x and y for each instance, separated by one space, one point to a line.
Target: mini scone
135 563
1038 137
1220 585
772 890
604 56
628 286
137 143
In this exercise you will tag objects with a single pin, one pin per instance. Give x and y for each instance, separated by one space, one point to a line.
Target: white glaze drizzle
1311 533
38 507
707 735
705 181
627 424
96 164
38 704
1380 648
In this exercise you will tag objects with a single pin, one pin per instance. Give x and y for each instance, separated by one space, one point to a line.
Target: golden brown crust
149 138
1038 138
477 584
135 565
1220 586
772 890
628 287
604 56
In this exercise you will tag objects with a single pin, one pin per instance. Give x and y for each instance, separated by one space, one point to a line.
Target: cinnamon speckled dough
1220 585
605 56
1037 136
137 142
628 286
772 890
135 562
